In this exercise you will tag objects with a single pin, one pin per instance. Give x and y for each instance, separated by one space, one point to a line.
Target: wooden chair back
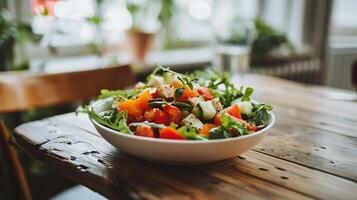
21 91
25 90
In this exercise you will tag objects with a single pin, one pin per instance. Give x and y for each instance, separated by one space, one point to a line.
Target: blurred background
312 42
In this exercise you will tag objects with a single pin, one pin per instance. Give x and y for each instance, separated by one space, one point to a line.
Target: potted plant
270 46
13 36
145 23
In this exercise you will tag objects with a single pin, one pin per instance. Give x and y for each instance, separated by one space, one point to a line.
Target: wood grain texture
309 154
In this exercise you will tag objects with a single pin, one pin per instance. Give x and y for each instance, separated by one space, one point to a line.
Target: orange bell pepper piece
143 100
206 128
187 93
176 83
131 107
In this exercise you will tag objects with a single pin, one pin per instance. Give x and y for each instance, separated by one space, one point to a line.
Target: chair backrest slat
25 90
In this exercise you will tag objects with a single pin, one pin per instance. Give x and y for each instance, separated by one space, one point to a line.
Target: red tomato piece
155 94
157 116
162 118
145 131
217 119
251 127
173 112
204 91
170 133
234 111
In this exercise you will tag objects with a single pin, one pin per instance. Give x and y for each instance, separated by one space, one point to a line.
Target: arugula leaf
157 104
248 92
104 93
182 106
260 114
229 123
220 86
110 118
219 133
188 79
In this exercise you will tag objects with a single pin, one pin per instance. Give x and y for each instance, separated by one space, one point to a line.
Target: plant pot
139 44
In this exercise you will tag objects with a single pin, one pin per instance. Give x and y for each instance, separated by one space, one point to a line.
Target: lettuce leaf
104 93
260 114
110 118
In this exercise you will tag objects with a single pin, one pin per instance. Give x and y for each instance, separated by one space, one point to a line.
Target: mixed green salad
200 106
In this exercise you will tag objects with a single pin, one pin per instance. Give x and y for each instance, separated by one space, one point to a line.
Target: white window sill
172 58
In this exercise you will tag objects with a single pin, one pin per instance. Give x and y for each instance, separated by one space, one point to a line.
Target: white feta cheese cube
156 81
245 107
167 91
195 100
217 104
192 120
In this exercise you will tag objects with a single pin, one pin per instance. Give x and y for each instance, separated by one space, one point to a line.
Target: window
344 20
72 23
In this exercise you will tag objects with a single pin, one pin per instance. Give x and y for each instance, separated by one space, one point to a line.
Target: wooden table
311 153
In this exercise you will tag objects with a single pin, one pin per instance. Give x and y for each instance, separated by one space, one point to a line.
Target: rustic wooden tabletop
311 153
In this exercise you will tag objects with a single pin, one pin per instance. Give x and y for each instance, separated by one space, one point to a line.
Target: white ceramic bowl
187 152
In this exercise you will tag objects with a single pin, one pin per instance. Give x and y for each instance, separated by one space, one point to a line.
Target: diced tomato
143 100
204 91
187 93
234 111
217 119
155 94
173 112
150 114
206 128
170 133
163 118
131 106
145 131
157 116
251 127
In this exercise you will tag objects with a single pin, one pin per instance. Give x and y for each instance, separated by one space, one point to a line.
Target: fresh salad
201 106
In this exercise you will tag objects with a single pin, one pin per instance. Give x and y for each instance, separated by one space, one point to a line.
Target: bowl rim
169 141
